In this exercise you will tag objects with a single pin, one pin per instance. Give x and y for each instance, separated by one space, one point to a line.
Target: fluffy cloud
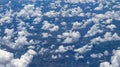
100 7
50 27
78 1
70 36
99 55
111 27
115 62
23 61
9 33
93 31
7 59
83 49
18 41
63 49
76 25
31 11
7 17
77 11
46 35
51 14
107 37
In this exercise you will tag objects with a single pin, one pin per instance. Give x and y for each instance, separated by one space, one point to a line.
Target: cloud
111 27
115 62
76 25
69 36
30 11
7 17
23 61
71 12
51 14
50 27
46 35
83 49
7 59
99 55
107 37
79 1
9 34
100 7
93 31
62 49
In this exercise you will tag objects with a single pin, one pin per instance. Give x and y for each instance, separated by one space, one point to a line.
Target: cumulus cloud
70 36
46 35
31 11
93 31
107 37
7 17
7 59
100 7
23 61
83 49
50 27
62 49
71 12
15 42
99 55
51 14
111 27
9 33
79 1
115 62
76 25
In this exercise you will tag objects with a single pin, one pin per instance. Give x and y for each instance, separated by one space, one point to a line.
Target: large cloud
115 62
7 59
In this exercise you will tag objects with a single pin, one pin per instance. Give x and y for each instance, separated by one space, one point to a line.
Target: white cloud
63 49
31 11
46 35
114 60
76 25
78 1
54 57
99 55
100 7
5 57
116 6
93 31
51 14
71 12
68 40
26 11
43 50
9 33
63 23
50 27
70 36
83 49
105 64
77 56
107 37
111 27
7 17
23 61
